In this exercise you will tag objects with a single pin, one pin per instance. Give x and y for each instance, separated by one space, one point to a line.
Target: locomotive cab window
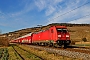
62 30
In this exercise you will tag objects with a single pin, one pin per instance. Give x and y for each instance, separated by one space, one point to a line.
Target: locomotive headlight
67 35
59 35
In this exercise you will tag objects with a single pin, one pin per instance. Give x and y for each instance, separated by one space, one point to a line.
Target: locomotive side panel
41 36
49 35
45 35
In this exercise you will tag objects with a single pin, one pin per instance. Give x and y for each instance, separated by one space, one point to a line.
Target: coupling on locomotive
54 36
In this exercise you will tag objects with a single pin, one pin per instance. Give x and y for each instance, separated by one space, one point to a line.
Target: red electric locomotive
55 35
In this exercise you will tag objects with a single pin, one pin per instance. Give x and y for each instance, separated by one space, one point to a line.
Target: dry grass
82 42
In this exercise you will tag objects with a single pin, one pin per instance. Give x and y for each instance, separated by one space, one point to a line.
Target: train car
55 35
26 39
14 41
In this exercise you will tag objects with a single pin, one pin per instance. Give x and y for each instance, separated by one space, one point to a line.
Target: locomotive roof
50 27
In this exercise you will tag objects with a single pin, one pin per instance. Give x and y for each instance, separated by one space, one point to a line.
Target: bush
4 41
84 39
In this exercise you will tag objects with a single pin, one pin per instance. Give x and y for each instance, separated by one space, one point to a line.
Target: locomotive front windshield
62 30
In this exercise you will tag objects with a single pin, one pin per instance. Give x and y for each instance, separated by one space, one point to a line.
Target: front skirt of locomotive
63 42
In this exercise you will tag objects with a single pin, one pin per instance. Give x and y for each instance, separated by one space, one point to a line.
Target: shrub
4 41
84 39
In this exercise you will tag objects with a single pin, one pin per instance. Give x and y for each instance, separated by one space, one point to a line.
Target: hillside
77 31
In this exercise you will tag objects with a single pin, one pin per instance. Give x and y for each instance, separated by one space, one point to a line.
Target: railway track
30 53
19 57
82 53
24 54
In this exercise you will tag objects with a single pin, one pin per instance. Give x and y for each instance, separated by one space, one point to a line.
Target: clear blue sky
20 14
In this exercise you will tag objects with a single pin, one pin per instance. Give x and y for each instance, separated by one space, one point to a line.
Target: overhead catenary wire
71 10
82 17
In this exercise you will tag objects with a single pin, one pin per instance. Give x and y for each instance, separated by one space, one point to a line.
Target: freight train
53 36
